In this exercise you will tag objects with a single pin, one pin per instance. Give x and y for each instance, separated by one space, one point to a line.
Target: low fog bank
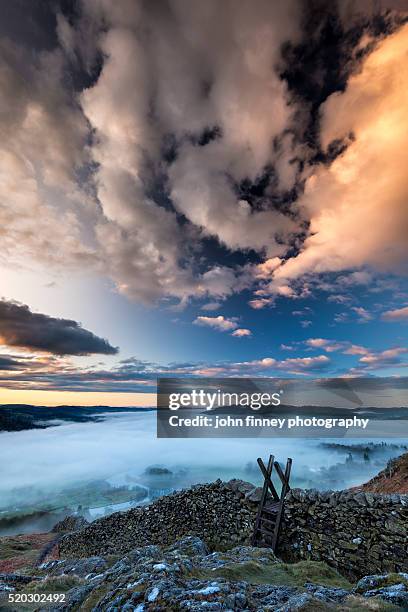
108 465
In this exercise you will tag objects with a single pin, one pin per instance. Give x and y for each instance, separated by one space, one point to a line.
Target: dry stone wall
356 533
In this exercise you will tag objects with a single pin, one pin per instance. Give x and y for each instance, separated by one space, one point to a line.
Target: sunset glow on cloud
357 207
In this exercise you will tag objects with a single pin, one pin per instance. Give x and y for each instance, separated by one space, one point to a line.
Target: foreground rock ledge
355 532
187 576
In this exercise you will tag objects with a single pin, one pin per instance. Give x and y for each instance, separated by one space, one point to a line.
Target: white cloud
306 312
265 269
363 315
389 357
305 363
355 349
220 323
211 306
341 317
400 314
259 303
241 333
339 299
331 346
286 347
359 277
294 365
368 359
317 342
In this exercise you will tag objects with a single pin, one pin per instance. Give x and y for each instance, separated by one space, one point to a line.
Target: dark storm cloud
31 24
23 328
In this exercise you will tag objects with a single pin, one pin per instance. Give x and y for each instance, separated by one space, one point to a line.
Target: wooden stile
270 511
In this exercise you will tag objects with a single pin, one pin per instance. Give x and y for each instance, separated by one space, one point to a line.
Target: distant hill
18 417
392 479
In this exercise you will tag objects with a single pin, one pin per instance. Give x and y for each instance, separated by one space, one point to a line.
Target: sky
200 189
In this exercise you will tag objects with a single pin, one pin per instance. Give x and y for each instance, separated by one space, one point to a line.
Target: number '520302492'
36 597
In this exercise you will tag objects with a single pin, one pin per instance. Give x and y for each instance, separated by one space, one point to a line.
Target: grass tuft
290 574
54 584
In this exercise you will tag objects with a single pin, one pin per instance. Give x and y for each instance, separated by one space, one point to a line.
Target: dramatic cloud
357 205
175 148
19 327
220 323
400 314
218 107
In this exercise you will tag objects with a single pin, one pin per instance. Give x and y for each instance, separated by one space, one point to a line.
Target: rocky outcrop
187 576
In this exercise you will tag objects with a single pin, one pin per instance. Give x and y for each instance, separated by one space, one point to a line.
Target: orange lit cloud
357 206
